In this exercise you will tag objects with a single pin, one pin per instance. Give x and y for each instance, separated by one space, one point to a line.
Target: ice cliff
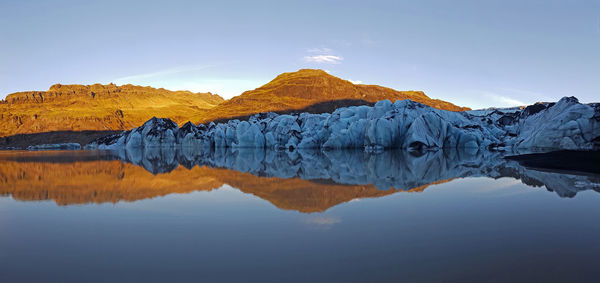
566 124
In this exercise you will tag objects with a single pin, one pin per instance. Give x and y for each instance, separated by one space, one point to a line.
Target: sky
472 53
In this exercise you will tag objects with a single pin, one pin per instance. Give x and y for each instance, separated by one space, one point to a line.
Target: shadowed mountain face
96 107
305 181
110 107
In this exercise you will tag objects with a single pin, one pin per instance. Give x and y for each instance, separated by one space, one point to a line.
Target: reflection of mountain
94 182
306 181
85 180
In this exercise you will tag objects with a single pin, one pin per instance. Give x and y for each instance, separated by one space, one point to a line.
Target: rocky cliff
96 107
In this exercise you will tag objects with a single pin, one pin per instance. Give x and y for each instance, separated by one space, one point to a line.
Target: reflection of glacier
401 170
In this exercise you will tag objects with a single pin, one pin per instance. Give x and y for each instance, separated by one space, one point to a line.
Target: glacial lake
247 215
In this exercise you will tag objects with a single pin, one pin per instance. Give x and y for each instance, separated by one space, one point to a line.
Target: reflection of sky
225 235
473 53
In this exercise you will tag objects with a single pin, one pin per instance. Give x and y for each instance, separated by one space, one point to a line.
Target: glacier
404 124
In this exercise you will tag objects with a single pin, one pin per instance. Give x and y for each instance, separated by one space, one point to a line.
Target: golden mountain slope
110 107
298 90
96 107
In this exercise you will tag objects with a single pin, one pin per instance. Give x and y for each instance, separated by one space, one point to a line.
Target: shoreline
22 141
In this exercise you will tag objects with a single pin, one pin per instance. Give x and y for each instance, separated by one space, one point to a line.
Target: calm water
303 216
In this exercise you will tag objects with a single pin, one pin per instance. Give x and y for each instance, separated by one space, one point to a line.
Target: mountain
96 107
307 87
109 107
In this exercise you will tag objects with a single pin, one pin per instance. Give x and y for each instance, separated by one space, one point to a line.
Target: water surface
167 215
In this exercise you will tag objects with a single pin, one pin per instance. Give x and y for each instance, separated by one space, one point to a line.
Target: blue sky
472 53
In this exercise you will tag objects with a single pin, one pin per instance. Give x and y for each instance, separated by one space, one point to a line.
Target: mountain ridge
109 107
95 107
305 87
56 92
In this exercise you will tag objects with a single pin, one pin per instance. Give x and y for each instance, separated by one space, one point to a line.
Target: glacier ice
566 124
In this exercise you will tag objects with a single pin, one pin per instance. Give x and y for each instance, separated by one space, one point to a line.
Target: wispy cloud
503 100
193 78
170 71
357 82
322 55
333 59
529 94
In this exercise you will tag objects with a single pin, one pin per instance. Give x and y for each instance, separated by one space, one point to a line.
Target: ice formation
566 124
